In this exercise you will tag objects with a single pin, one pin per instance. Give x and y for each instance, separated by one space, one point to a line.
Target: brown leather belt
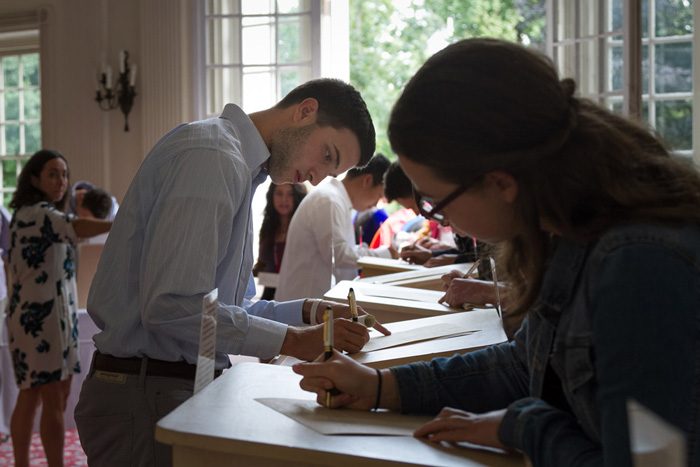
154 367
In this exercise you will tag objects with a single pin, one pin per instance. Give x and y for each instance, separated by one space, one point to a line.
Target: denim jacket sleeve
479 381
642 299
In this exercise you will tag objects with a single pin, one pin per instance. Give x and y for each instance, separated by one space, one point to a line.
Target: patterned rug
73 455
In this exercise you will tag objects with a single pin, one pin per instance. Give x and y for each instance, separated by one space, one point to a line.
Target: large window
20 108
634 57
258 50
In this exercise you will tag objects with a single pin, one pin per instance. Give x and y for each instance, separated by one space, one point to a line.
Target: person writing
321 244
184 228
598 233
282 202
42 318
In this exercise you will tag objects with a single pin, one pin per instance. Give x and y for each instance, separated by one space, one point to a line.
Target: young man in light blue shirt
184 229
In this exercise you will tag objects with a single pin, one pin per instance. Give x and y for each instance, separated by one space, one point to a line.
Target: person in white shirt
321 246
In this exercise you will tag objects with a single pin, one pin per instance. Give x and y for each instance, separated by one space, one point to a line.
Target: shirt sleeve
61 223
200 205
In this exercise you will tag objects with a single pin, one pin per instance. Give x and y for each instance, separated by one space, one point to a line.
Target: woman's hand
453 425
416 254
357 384
471 291
440 260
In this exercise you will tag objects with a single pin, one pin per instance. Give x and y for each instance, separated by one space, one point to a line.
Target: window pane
9 173
258 36
6 198
674 123
223 84
259 91
257 7
615 68
32 104
12 139
291 77
222 7
674 17
293 6
30 69
645 18
32 137
616 14
645 69
673 67
294 39
223 41
12 105
10 68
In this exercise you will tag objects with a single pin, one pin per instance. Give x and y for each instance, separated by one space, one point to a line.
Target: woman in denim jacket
598 234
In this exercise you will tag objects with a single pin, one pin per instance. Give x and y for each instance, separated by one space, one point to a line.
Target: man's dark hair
340 105
377 167
98 202
396 183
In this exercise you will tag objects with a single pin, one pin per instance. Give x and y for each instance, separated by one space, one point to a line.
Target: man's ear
505 185
367 181
305 111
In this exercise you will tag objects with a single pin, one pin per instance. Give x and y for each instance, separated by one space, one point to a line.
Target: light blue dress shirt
183 229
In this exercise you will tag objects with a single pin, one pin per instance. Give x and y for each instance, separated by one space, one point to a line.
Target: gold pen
328 343
353 304
471 269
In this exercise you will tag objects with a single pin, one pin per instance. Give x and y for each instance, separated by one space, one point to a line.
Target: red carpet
73 455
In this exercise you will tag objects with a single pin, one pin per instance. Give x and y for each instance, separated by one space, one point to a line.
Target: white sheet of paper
345 421
207 342
410 336
653 441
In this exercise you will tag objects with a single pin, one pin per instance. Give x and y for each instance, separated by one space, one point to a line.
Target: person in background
597 230
282 202
42 318
76 198
321 245
95 203
184 229
397 187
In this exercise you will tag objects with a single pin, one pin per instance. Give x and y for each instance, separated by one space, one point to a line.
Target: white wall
158 36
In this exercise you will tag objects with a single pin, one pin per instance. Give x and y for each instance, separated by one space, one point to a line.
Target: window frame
632 43
7 49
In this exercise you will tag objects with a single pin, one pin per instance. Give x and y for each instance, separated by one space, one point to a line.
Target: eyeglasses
430 210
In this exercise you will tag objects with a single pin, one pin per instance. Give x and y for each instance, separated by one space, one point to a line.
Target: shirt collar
253 148
340 187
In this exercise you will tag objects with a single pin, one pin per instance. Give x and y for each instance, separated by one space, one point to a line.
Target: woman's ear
34 181
504 184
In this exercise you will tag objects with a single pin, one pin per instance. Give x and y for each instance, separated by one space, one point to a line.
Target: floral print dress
42 319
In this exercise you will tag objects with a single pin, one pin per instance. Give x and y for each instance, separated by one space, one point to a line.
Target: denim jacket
617 319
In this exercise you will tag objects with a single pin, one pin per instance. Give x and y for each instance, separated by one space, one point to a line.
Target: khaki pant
117 413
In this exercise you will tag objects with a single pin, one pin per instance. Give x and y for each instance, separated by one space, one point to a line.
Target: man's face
311 152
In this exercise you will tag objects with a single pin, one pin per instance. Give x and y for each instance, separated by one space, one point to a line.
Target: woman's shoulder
677 239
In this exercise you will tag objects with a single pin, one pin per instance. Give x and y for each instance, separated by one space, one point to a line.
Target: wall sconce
109 94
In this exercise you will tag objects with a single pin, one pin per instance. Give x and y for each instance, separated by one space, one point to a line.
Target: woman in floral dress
42 318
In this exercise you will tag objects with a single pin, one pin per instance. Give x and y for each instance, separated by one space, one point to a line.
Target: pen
353 304
327 333
471 269
328 343
495 284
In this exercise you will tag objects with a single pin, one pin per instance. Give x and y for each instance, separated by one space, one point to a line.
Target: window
633 57
258 50
20 106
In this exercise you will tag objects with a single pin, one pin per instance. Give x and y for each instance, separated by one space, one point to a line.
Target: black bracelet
379 389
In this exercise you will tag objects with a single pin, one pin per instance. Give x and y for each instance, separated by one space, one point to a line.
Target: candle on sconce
108 77
132 77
